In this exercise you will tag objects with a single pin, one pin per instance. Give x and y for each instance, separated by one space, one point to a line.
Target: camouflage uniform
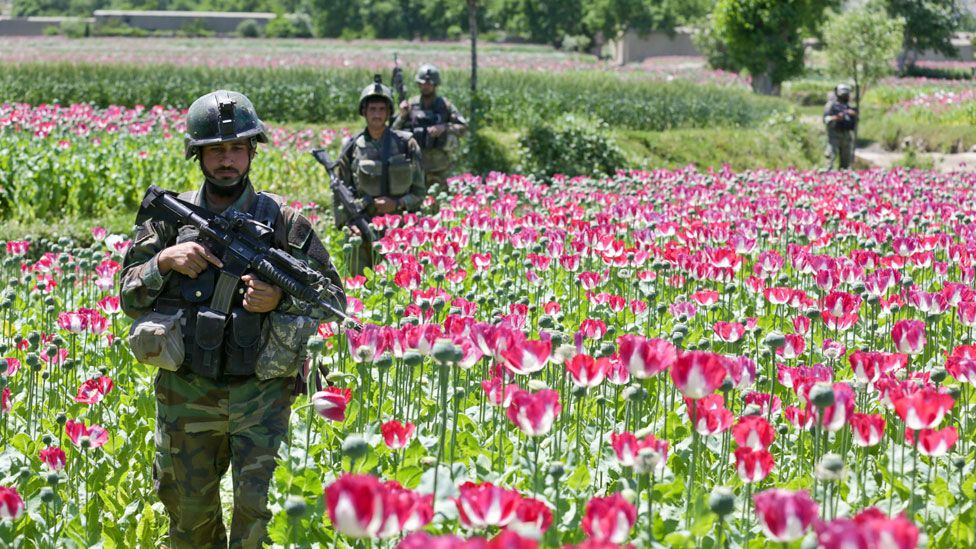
431 111
840 133
364 169
204 425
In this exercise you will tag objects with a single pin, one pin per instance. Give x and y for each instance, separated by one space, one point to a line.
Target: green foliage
929 25
571 146
781 143
294 25
860 44
766 36
710 44
940 73
486 151
570 24
510 99
249 28
115 27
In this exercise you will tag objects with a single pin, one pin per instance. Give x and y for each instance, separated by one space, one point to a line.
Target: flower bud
47 494
722 501
822 395
295 506
537 385
354 446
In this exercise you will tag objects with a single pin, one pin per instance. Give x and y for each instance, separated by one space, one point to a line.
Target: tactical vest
220 336
421 119
388 172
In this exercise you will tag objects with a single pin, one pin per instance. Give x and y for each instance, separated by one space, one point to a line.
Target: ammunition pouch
208 338
283 350
401 175
156 339
242 344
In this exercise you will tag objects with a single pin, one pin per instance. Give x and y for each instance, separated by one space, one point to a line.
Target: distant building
218 22
634 48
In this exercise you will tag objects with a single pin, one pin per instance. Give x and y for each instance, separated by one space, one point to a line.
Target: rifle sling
385 143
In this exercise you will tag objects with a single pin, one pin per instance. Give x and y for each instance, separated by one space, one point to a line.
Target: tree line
582 25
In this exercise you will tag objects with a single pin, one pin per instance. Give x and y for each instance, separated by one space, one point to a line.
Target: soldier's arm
418 190
458 125
304 245
344 173
140 281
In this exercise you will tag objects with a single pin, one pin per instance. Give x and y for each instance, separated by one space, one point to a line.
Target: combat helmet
428 73
376 89
219 117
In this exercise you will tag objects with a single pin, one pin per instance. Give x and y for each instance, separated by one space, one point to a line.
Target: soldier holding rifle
229 344
381 167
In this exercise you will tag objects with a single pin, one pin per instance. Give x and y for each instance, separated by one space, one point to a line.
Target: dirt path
875 156
960 162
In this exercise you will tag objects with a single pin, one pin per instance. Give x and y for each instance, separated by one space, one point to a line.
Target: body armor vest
220 336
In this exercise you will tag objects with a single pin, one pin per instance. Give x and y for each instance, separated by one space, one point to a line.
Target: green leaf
580 478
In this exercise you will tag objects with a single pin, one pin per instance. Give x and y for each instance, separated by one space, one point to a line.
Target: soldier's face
377 114
225 163
427 89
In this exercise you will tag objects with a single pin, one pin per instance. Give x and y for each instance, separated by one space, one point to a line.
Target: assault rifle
344 196
242 238
397 81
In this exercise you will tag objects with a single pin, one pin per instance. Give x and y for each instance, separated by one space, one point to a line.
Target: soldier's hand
260 297
354 230
384 204
404 107
188 258
434 131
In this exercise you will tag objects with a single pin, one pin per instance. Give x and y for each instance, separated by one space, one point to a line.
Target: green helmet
376 89
428 73
219 117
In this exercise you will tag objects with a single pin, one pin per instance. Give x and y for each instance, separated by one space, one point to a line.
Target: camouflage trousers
202 428
841 143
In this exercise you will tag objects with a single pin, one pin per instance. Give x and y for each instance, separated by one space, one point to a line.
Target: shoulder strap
346 150
385 144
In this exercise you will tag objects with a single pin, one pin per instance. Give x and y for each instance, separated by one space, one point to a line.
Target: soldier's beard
428 95
222 186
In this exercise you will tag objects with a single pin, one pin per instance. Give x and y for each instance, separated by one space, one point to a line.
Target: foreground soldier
228 403
435 123
381 166
841 121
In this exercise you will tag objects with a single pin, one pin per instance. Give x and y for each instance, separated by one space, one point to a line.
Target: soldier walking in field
226 380
435 123
382 167
841 121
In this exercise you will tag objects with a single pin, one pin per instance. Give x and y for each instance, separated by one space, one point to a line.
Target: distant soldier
435 124
841 122
381 166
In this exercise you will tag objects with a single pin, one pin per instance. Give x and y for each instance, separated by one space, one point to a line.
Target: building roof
209 14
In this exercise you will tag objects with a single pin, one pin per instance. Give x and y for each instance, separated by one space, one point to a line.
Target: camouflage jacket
438 110
363 168
142 283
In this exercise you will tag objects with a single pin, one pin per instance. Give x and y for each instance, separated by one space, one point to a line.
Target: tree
860 44
766 36
608 19
929 25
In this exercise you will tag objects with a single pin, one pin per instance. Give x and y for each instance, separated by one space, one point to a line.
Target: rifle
397 81
240 235
344 195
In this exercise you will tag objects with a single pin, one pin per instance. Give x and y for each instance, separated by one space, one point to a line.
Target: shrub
114 27
249 28
196 28
570 146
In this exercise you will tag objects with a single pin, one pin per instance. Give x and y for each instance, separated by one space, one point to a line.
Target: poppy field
667 358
